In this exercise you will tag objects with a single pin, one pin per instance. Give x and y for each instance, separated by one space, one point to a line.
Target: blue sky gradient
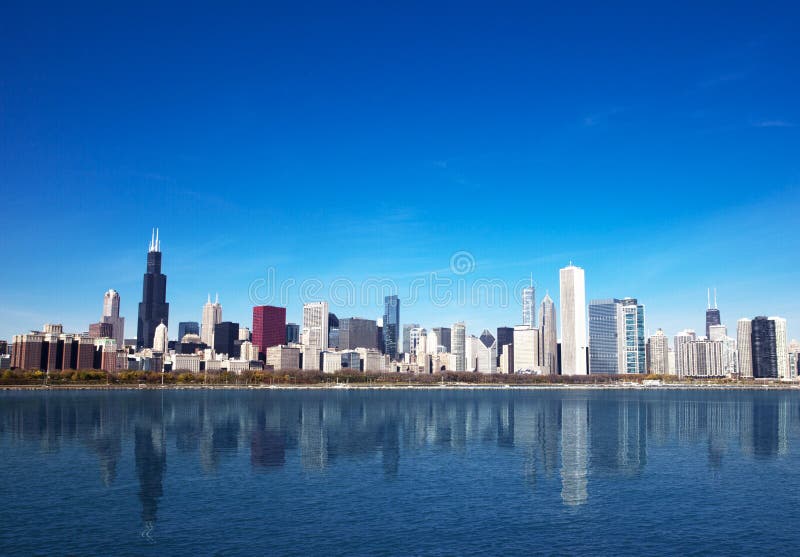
656 147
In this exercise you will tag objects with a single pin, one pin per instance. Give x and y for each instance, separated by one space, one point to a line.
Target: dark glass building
764 348
153 308
188 328
391 325
292 333
443 336
333 331
505 335
712 318
355 332
603 336
225 336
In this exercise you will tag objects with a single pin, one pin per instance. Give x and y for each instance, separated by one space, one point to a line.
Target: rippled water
399 472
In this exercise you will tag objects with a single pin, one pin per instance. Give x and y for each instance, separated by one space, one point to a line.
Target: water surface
356 472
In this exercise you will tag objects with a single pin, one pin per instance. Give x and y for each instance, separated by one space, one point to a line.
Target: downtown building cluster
605 336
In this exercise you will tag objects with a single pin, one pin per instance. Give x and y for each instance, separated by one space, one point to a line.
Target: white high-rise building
315 325
111 315
526 350
212 316
160 341
529 305
573 321
681 344
781 347
422 344
459 348
744 340
433 342
717 332
549 336
658 353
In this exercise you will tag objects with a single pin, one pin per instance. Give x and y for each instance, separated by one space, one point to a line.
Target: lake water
423 472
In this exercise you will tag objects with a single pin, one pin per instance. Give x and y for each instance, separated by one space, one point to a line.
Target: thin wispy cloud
773 124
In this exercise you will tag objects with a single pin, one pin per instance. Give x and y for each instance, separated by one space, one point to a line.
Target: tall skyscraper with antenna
212 316
712 314
153 308
529 305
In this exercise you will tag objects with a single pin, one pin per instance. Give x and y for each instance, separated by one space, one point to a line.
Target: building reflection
574 451
543 437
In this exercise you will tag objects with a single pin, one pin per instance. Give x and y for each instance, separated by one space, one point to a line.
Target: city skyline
524 299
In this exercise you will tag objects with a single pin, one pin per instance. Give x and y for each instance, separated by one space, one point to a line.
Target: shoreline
433 387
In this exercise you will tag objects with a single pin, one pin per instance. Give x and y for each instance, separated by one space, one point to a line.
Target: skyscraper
444 337
635 359
188 328
781 347
712 314
226 334
658 353
269 327
606 337
391 325
573 320
408 345
356 332
505 336
333 331
160 339
549 336
315 325
527 358
111 316
212 316
616 336
153 308
744 343
529 305
292 333
764 353
681 344
460 346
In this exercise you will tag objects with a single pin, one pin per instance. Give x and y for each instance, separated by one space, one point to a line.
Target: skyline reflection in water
540 446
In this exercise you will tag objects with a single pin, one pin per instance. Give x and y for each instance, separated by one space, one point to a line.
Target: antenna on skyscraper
715 298
708 295
152 239
158 245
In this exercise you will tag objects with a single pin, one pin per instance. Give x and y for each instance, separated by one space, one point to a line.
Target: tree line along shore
66 378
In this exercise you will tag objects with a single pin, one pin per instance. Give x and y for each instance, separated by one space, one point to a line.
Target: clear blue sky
657 147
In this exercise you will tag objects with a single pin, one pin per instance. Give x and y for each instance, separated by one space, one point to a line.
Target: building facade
573 321
529 305
212 316
315 325
269 327
111 316
459 342
658 353
391 325
153 308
